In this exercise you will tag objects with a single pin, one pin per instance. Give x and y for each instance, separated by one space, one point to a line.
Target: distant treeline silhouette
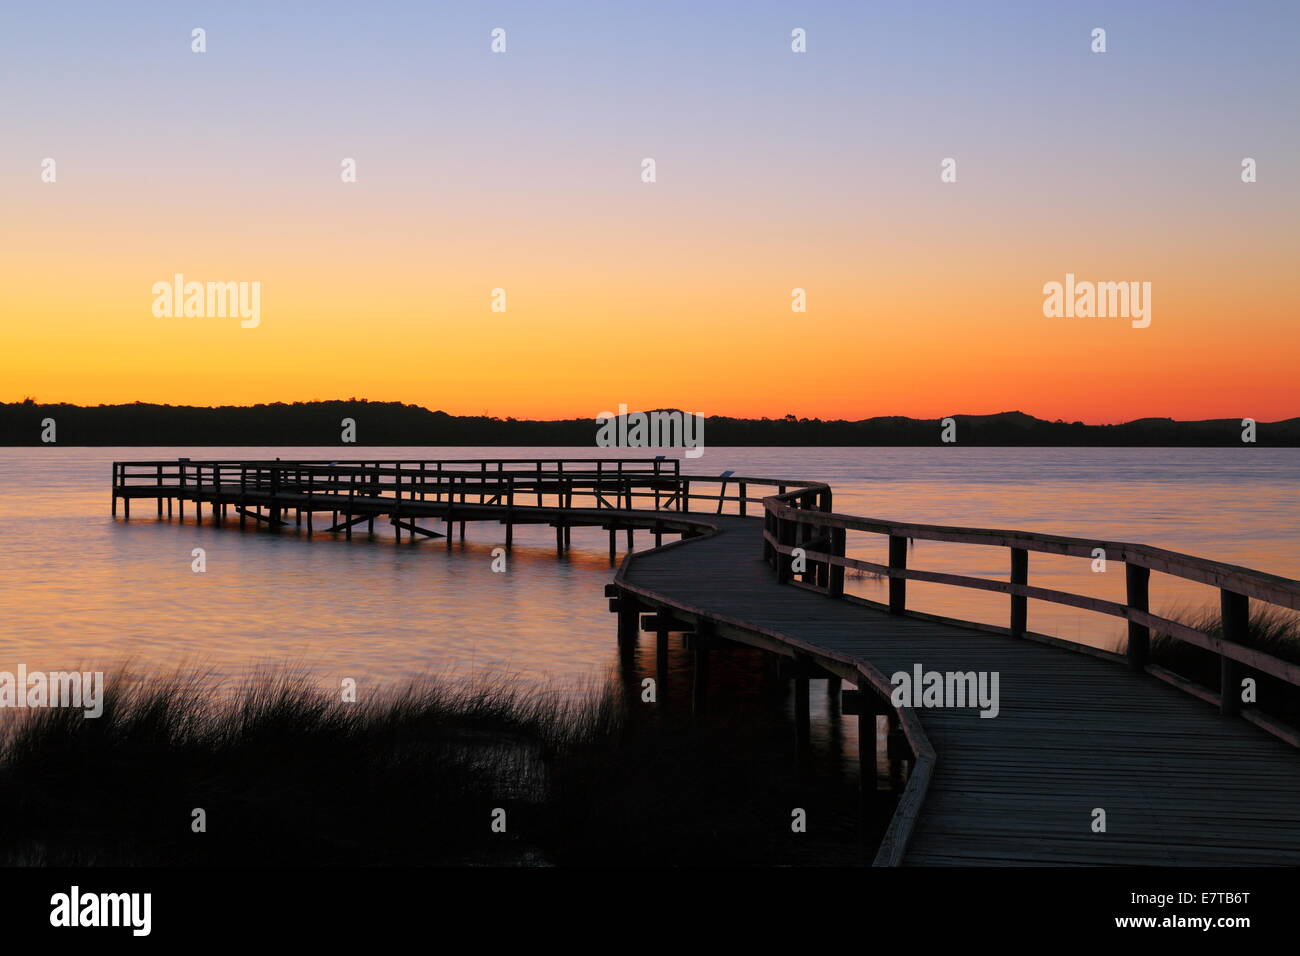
394 423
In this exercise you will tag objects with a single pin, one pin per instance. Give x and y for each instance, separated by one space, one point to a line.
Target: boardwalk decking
1180 784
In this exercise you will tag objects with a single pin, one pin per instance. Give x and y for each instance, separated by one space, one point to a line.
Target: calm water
78 587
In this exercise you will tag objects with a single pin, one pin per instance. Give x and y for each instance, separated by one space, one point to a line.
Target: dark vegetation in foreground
395 423
1273 630
288 775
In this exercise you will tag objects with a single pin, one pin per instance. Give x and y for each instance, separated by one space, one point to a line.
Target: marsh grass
1274 630
289 775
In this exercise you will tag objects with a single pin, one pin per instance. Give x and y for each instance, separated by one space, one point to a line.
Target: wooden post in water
275 503
352 490
1234 609
802 720
510 512
866 765
700 685
629 619
661 658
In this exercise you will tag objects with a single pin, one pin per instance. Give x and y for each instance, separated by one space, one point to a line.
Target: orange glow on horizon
645 312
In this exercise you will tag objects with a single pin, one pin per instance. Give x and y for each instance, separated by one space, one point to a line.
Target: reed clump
288 774
1273 630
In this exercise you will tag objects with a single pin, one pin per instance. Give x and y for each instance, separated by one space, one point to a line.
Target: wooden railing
655 484
803 519
798 520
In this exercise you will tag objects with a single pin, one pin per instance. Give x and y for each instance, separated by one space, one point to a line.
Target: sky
774 171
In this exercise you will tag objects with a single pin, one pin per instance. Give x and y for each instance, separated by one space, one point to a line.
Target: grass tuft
290 775
1273 630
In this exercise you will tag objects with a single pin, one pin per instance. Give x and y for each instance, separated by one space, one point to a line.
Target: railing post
1234 610
510 510
1138 580
275 490
787 532
352 492
769 526
897 586
839 538
1019 603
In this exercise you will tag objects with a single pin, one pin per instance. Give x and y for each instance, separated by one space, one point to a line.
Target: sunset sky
775 170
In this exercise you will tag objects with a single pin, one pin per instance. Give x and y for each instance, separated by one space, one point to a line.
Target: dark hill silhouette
394 423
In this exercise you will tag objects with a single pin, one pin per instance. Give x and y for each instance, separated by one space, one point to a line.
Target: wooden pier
1183 774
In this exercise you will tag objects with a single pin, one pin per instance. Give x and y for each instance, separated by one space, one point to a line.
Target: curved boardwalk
1179 783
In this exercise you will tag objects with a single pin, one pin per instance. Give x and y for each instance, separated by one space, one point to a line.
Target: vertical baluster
838 540
1138 581
1234 609
897 586
1019 603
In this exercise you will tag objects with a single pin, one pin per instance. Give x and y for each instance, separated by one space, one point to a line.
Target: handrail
800 519
609 483
1259 584
791 523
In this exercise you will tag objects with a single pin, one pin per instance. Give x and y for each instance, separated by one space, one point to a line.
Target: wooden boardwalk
1078 730
1179 784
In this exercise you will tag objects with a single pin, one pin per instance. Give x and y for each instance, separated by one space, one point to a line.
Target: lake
80 588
